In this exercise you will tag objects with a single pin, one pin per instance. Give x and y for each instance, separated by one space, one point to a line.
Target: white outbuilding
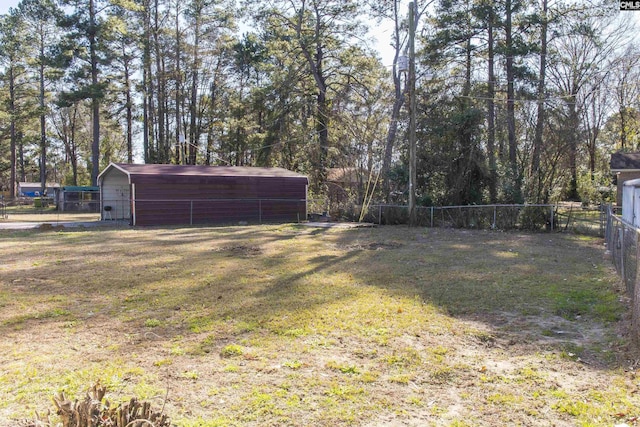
631 202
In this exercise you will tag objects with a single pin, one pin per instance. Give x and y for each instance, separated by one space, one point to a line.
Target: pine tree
13 54
87 38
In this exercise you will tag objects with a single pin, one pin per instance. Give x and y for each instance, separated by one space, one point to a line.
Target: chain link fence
544 217
165 211
621 240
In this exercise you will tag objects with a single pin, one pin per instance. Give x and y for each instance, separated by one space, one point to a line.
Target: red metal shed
176 194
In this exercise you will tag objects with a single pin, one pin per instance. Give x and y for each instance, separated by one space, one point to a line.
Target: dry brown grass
289 325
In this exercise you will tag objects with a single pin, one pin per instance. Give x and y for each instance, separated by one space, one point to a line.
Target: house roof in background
624 162
38 184
344 175
198 170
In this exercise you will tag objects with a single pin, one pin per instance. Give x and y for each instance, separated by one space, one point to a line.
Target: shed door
121 203
117 195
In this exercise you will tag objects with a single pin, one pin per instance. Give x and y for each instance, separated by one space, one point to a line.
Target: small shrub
534 218
152 323
231 350
295 364
345 369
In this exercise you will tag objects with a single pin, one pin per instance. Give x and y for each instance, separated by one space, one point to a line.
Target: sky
6 4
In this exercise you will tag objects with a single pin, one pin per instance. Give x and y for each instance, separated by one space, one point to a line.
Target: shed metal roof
198 170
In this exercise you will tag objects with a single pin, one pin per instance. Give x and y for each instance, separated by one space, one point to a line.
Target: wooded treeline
518 100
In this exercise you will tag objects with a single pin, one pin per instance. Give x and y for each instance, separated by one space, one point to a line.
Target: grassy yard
291 325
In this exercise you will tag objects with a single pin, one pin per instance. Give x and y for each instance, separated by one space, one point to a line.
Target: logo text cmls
629 5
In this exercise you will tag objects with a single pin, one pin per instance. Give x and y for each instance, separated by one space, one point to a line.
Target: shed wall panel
149 212
218 188
220 200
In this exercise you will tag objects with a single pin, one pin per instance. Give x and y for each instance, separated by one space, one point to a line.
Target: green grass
289 325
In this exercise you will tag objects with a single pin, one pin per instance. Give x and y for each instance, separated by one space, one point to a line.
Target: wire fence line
142 211
531 217
622 247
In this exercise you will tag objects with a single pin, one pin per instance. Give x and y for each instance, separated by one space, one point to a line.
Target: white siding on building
116 193
631 202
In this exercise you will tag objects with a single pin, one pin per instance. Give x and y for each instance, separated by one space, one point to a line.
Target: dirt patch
374 246
239 250
49 227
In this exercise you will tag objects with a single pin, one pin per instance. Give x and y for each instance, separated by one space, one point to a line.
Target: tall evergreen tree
320 28
87 37
13 56
42 16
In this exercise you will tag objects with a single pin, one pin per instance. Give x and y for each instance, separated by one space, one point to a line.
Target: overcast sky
6 4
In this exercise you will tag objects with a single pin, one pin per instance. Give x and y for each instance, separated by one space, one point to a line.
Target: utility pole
412 115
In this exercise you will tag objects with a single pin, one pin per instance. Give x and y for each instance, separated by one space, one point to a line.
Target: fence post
495 215
190 212
260 212
634 274
431 216
632 289
622 253
551 208
379 214
608 230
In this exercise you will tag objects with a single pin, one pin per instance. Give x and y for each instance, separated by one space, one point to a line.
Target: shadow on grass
213 279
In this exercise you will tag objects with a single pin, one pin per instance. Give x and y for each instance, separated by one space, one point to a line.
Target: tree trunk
515 195
166 146
573 150
322 118
623 127
43 129
322 128
129 108
22 176
12 132
194 131
212 109
160 86
316 65
73 149
491 110
147 87
95 102
180 141
535 176
67 135
399 96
